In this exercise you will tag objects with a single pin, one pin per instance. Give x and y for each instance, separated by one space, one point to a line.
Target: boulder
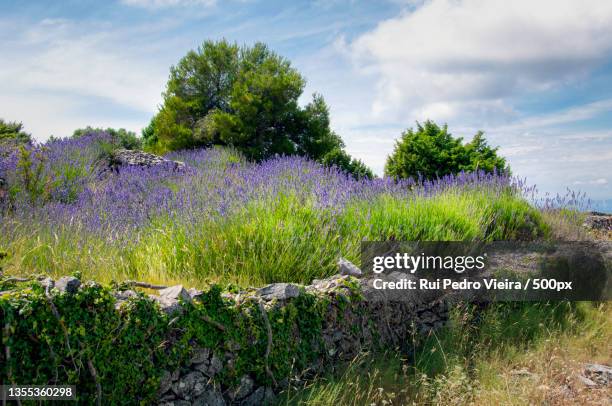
176 292
279 291
68 284
346 267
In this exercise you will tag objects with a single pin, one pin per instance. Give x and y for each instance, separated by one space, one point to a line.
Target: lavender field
223 219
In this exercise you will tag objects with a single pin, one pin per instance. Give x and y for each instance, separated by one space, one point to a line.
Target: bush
125 139
12 134
343 161
432 152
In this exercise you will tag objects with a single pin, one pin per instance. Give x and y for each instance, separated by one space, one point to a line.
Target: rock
168 298
256 398
244 388
598 221
165 382
523 373
194 293
269 397
176 403
126 158
176 292
210 368
346 267
199 356
3 189
215 366
68 284
210 398
168 306
279 291
191 385
600 374
47 283
587 382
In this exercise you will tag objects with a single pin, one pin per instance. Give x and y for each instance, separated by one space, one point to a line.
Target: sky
534 75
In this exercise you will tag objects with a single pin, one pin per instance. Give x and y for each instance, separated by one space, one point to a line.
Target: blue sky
535 76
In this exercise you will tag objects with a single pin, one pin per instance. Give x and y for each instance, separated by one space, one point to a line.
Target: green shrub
432 152
124 138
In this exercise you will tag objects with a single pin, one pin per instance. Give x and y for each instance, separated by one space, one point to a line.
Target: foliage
228 220
130 348
12 133
124 138
245 97
33 181
58 171
431 152
343 161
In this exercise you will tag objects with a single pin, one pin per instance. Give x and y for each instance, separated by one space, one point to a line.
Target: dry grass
503 371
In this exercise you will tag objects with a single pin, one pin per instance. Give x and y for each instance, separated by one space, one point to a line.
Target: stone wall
121 345
355 320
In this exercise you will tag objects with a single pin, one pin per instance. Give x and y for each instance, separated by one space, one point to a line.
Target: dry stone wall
355 319
178 346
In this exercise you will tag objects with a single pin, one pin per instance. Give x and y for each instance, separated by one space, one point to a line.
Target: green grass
285 239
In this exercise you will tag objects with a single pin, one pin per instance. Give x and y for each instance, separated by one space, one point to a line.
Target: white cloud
60 69
157 4
598 181
449 57
59 56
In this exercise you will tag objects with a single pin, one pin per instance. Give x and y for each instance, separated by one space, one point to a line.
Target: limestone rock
587 382
47 283
244 388
175 292
68 284
190 386
210 367
600 374
256 398
346 267
165 382
598 221
168 306
126 158
279 291
210 398
199 356
194 293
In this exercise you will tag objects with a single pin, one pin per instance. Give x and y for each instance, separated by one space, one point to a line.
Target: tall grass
284 239
510 354
226 220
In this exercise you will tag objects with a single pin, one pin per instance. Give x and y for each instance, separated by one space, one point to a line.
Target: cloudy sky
535 75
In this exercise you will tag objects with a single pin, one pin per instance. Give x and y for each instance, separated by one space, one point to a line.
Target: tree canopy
12 132
431 151
244 97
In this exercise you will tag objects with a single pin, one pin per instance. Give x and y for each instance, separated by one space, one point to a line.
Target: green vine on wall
118 356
